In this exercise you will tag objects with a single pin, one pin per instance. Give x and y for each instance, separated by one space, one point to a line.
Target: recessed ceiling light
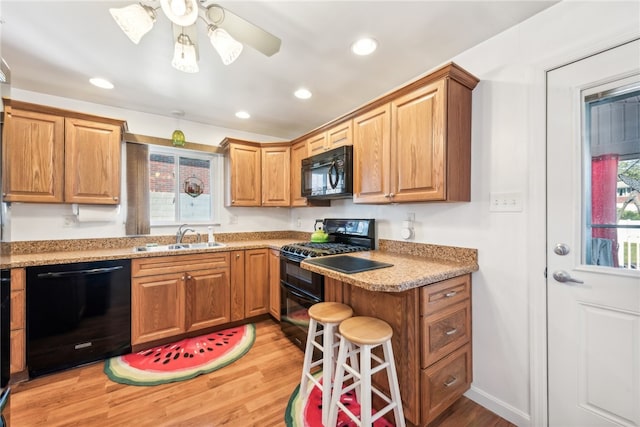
101 83
302 93
243 115
364 46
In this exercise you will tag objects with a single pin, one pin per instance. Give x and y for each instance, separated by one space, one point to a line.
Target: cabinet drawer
178 263
444 331
444 382
443 294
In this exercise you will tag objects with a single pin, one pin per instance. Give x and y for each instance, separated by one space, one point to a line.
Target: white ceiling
54 47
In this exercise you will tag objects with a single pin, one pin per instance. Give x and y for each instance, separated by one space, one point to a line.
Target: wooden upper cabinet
58 156
335 137
418 150
32 157
298 152
427 129
371 157
92 162
257 174
244 174
276 177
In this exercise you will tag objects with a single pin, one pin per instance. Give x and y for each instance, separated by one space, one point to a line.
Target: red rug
305 409
183 359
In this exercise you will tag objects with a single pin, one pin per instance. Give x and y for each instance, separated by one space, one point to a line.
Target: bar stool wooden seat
360 335
324 318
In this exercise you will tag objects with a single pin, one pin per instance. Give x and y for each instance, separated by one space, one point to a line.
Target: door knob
561 249
563 277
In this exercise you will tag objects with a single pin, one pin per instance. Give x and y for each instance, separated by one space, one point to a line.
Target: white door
593 276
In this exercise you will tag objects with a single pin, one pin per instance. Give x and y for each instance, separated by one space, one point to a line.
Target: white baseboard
501 408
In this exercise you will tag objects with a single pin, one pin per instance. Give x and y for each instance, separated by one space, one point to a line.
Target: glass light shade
180 12
184 55
177 138
227 47
135 20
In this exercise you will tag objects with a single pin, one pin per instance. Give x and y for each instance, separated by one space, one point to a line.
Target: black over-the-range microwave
328 175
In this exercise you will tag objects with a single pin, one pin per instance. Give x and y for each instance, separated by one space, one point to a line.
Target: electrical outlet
299 223
69 221
233 219
505 202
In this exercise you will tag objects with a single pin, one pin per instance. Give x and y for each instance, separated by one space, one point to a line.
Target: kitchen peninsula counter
407 271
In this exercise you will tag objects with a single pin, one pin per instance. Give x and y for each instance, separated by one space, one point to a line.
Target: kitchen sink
177 247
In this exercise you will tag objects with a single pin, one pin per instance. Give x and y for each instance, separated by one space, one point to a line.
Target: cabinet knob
237 256
183 278
386 195
451 381
450 294
189 277
115 198
391 194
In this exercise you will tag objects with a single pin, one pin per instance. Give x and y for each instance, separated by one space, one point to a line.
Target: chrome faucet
180 233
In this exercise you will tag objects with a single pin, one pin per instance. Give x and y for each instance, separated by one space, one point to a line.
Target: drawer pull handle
451 331
450 294
450 382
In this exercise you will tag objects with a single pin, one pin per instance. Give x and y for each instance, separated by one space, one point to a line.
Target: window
613 146
180 186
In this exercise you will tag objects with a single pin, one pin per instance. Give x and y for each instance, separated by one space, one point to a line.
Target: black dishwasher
77 313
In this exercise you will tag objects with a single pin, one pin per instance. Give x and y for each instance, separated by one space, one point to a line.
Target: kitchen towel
96 213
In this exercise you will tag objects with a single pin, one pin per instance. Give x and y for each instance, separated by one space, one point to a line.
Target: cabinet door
340 135
418 145
371 144
237 285
207 294
276 178
274 283
157 307
32 157
246 175
256 282
92 162
316 144
298 152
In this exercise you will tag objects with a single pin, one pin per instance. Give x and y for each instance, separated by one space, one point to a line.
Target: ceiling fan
226 31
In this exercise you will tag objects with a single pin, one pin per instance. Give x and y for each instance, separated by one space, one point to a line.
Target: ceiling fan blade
244 31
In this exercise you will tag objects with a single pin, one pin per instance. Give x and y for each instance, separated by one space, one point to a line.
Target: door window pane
612 143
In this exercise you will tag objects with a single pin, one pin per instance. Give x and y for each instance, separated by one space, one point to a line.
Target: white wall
508 152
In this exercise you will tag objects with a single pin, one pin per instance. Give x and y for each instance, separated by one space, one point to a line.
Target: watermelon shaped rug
182 360
305 409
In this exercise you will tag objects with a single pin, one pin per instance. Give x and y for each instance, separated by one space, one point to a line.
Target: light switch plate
505 202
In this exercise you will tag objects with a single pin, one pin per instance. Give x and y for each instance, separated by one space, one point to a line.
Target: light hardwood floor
252 391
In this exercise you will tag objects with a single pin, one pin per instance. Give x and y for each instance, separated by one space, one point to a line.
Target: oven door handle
296 293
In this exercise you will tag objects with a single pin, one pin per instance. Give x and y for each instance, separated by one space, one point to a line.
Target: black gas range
345 235
301 288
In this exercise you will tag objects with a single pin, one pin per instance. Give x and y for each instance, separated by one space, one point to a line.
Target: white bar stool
328 315
360 335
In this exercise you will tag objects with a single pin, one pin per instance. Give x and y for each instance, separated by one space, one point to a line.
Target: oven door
294 314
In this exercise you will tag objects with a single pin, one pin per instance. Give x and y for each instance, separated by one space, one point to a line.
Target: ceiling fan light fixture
180 12
184 55
135 20
227 47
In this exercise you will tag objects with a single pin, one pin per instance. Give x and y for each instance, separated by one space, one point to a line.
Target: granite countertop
414 264
71 256
407 272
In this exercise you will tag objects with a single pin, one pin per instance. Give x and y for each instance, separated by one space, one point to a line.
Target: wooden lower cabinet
188 293
274 283
18 336
431 340
249 283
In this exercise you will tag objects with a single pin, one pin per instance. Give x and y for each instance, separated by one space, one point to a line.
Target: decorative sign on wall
193 186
